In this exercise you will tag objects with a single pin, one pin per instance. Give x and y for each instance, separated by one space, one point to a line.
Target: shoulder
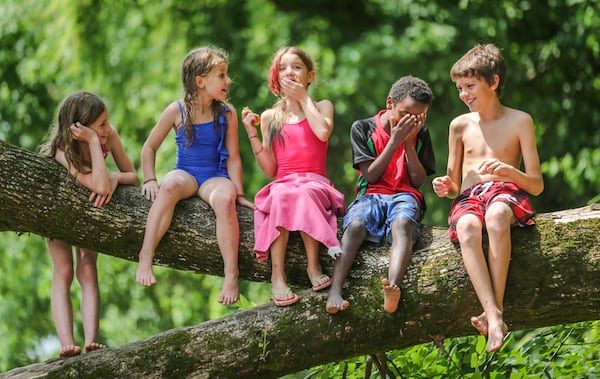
267 115
364 124
363 127
173 111
228 107
518 116
325 103
325 108
462 121
228 110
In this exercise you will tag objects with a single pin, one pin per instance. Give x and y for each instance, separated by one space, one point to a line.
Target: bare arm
127 173
234 162
97 180
262 151
449 185
531 180
167 120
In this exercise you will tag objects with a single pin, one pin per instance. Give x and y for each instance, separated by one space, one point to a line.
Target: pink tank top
300 152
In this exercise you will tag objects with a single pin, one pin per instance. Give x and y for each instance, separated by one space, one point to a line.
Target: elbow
538 189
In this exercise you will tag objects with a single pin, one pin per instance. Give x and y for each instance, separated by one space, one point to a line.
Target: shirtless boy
486 150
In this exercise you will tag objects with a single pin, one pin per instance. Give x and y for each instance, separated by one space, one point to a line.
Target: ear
389 103
495 82
311 76
199 81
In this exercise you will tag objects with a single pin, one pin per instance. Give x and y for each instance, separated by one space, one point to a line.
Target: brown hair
199 62
80 106
483 62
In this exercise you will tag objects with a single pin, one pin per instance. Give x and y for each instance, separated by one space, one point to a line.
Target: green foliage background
129 53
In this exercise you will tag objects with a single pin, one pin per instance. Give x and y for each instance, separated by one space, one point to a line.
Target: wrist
149 180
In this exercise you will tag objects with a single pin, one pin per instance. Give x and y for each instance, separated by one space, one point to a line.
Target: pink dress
301 198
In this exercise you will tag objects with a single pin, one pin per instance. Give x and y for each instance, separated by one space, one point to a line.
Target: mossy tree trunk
554 278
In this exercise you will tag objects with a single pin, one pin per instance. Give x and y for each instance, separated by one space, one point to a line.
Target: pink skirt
297 202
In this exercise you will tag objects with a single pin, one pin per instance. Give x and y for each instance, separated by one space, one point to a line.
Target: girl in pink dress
294 152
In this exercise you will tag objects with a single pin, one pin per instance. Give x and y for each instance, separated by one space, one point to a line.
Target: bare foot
69 351
336 303
144 275
391 296
480 323
230 291
94 346
496 333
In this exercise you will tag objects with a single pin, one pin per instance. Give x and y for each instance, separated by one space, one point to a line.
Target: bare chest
491 142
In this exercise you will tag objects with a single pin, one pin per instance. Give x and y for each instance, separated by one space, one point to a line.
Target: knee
468 228
497 220
224 199
402 225
355 228
64 273
86 266
170 188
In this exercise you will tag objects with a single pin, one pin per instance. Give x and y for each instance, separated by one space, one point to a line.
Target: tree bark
554 278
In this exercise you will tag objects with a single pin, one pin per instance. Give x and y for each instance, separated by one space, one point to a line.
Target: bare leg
469 230
400 251
220 194
352 239
176 185
279 288
87 276
314 269
498 219
62 308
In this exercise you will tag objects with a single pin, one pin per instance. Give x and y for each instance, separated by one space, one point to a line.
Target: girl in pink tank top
294 152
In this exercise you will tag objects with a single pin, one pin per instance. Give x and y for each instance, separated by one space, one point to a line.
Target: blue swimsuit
206 156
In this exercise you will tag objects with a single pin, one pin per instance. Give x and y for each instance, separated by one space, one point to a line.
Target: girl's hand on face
83 133
292 89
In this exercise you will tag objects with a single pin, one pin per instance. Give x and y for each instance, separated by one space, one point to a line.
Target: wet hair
411 86
276 123
80 106
199 62
482 62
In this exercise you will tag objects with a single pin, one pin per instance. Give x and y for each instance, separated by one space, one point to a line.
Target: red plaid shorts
478 198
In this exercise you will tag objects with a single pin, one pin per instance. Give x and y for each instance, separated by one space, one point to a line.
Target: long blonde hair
276 123
199 62
80 106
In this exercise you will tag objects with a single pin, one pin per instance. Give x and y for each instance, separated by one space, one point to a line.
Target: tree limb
554 278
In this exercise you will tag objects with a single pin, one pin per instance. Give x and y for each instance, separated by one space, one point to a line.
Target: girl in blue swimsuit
208 163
